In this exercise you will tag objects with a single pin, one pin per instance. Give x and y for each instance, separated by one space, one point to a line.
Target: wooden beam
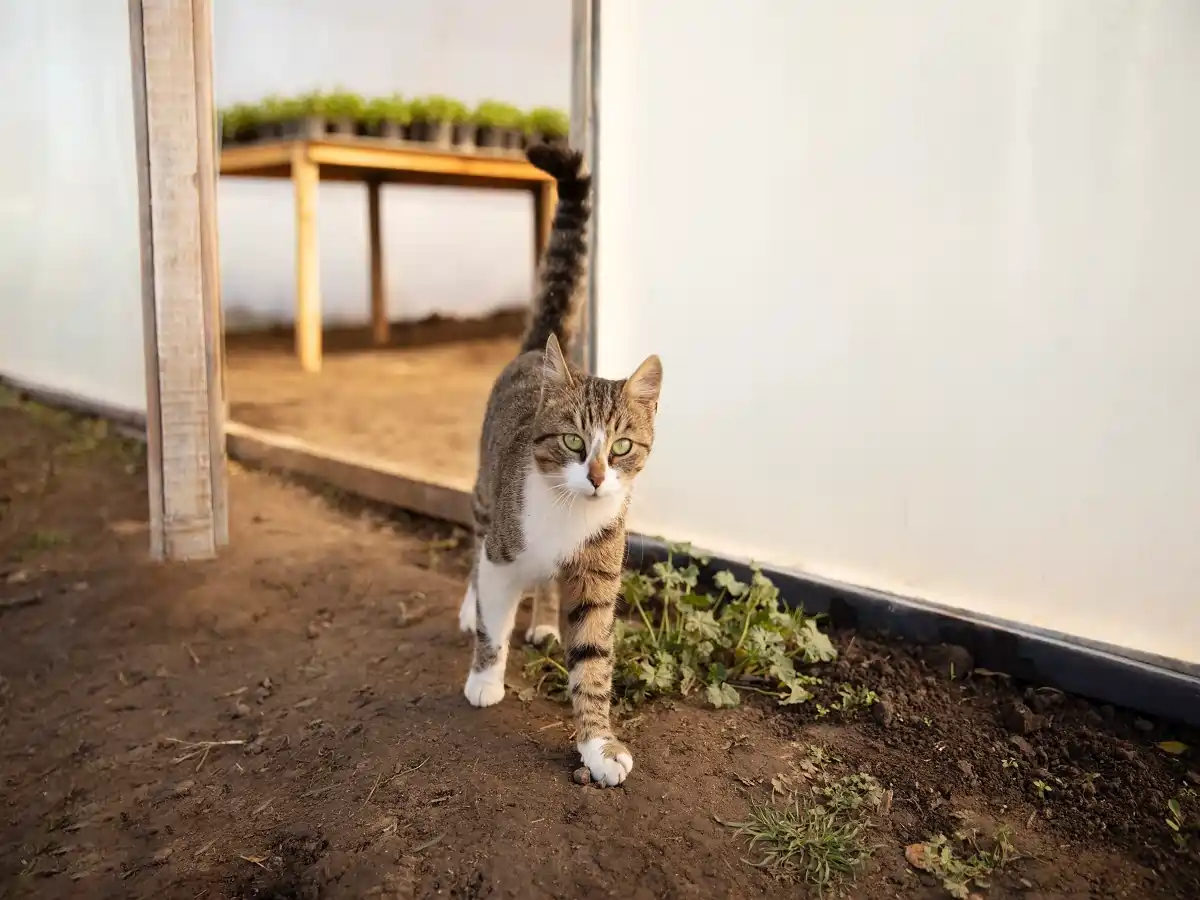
168 106
367 477
210 257
361 154
380 323
305 180
584 64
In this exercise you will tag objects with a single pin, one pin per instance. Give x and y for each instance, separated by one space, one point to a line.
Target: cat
558 457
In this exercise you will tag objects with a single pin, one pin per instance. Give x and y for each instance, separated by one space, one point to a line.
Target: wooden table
374 163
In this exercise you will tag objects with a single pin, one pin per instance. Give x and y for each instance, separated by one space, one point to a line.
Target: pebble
1023 745
313 631
1145 726
1020 719
184 788
1194 777
883 712
582 775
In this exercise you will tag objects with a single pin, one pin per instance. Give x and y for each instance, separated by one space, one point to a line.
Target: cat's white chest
556 527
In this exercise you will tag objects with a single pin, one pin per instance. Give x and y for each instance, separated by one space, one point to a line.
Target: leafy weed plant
958 873
678 641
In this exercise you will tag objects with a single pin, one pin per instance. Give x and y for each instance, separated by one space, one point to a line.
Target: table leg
545 198
305 180
380 325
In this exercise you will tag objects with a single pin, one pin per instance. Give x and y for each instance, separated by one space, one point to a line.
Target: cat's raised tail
559 292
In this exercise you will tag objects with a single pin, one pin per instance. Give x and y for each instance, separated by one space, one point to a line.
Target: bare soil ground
287 722
418 403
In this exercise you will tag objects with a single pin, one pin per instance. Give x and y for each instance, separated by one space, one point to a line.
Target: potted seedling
281 117
343 112
433 119
307 121
240 123
547 125
387 117
496 124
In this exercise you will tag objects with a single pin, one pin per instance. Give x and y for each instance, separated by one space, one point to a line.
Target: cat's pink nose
596 478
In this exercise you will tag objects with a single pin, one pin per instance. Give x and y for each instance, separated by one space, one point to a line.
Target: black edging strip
1017 651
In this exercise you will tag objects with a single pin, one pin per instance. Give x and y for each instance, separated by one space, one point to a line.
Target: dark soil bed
287 722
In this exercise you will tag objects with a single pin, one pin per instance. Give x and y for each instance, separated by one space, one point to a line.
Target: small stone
240 710
1023 745
1145 726
1127 754
1193 777
1020 719
965 767
21 576
883 712
162 855
916 856
582 775
313 631
80 586
183 788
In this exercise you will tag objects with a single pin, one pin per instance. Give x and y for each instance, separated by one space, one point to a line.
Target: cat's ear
554 365
645 383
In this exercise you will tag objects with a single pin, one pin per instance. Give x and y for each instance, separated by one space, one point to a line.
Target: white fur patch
605 770
540 633
485 688
556 522
466 612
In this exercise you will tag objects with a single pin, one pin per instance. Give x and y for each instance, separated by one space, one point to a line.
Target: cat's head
592 435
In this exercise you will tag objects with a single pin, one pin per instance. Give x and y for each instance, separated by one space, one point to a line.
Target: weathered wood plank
165 70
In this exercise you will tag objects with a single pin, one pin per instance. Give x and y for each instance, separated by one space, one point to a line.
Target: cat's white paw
539 634
466 612
483 689
607 759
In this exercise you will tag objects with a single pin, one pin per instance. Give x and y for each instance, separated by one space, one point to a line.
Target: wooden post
181 429
380 324
305 179
545 198
210 257
584 40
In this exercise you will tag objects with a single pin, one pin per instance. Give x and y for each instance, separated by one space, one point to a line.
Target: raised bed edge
1099 672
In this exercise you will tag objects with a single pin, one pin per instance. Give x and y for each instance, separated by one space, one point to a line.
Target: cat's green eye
621 447
573 442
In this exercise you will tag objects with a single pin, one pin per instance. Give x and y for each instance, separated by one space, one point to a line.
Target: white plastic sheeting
924 281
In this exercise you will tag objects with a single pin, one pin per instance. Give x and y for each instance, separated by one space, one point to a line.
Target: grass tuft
818 836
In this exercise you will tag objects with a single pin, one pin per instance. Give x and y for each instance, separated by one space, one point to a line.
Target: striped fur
558 457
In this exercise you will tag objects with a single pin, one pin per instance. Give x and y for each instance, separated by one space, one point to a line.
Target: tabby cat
558 456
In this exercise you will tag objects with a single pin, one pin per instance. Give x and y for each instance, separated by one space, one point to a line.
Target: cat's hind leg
543 615
497 596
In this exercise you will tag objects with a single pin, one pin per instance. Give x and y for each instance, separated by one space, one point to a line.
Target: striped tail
557 301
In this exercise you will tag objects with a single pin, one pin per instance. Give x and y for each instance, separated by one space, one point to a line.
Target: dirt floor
287 722
418 403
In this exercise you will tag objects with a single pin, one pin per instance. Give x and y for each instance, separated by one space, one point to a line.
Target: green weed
678 641
818 836
957 873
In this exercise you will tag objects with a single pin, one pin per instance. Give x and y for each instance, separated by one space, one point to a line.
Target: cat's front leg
593 582
497 596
